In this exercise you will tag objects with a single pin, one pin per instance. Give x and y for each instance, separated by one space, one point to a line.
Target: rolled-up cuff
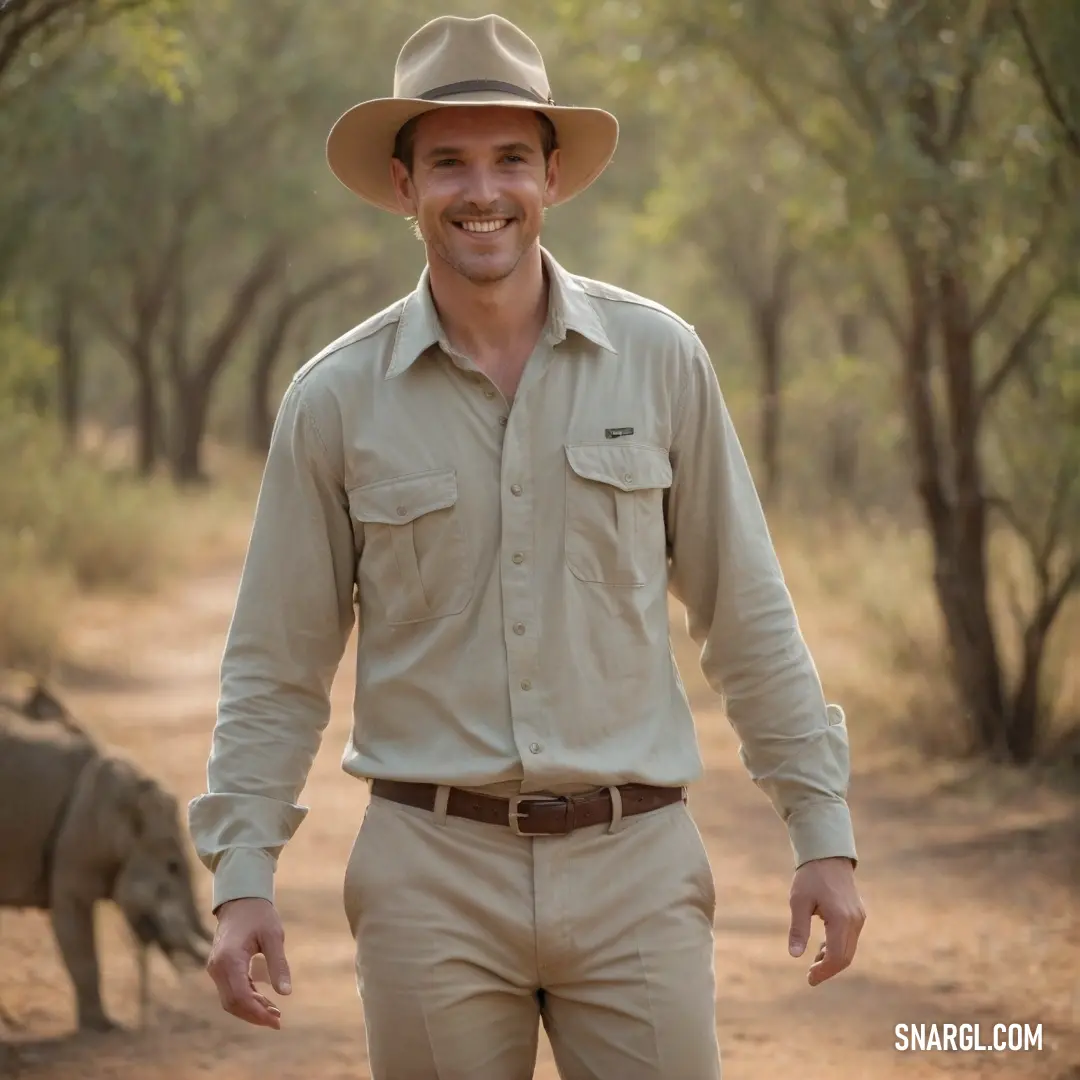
243 872
822 830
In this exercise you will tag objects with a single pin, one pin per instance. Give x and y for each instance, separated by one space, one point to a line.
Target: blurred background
867 208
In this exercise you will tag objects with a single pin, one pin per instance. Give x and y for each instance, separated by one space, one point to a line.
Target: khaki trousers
469 936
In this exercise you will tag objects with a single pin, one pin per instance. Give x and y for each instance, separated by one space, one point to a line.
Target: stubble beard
481 271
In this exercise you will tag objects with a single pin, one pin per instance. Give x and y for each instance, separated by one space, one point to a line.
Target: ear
121 802
403 187
551 183
42 705
150 805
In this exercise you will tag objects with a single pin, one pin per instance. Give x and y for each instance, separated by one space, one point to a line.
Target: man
511 466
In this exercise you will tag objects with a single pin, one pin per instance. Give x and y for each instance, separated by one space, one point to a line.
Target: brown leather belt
533 815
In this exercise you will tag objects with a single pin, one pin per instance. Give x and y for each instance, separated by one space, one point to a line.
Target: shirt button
628 477
515 489
489 393
518 557
526 684
535 748
519 628
402 511
502 421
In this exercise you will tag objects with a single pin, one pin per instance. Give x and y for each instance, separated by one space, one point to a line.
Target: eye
514 158
443 162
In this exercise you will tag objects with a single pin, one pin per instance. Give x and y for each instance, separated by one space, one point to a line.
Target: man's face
478 188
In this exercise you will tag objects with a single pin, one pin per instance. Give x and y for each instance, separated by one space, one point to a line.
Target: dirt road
973 902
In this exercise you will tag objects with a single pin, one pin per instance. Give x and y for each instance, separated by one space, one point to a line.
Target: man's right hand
247 927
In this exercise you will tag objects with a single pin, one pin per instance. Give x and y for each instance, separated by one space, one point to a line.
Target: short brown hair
403 143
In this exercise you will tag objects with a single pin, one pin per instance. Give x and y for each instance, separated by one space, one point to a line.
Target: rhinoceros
80 824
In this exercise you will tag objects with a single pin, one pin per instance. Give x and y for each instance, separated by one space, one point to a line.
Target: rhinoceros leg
142 957
73 925
8 1019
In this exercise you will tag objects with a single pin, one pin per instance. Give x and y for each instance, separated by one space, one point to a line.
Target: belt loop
442 797
616 810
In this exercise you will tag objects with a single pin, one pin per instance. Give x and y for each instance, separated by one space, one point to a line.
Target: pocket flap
628 466
401 499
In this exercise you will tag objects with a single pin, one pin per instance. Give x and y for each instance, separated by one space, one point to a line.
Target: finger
255 1008
802 910
237 992
264 1002
837 935
272 944
834 954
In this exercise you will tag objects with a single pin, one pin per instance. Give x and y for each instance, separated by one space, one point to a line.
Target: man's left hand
826 887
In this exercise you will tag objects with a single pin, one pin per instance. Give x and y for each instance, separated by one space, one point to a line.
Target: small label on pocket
615 432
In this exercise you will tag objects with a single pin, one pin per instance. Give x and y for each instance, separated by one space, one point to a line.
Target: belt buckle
516 815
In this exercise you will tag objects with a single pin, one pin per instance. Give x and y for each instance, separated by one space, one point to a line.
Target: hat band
472 86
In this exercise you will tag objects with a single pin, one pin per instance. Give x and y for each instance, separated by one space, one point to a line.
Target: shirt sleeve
725 571
291 622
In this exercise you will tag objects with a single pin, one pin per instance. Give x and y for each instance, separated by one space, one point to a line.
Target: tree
43 46
189 209
949 166
293 301
38 35
1050 33
734 200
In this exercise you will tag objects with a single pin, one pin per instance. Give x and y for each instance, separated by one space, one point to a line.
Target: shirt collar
569 308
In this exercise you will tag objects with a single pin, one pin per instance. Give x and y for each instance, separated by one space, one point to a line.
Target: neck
495 317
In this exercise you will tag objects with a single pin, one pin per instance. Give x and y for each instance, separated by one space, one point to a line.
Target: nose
482 188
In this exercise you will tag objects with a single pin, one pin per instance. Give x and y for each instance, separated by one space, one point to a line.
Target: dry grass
864 591
74 524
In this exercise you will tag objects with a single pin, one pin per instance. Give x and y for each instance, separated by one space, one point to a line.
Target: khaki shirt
511 569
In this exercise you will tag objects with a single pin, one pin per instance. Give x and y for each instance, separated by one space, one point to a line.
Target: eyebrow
504 148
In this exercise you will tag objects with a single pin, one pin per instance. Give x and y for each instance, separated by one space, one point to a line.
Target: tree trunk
193 381
1022 736
69 370
986 698
955 510
960 582
260 413
1026 715
260 416
193 400
842 431
147 417
271 342
768 334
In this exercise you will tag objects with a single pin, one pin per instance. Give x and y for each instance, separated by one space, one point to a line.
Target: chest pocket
615 512
414 564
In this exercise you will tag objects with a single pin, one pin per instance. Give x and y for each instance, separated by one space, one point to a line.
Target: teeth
484 226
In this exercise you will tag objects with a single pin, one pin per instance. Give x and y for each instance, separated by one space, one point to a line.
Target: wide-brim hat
452 62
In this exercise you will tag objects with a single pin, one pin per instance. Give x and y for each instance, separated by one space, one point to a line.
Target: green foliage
26 365
1049 32
74 516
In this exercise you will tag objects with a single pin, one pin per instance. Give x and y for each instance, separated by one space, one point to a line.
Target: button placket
522 637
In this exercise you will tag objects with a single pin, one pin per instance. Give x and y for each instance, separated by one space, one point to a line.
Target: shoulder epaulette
605 291
366 329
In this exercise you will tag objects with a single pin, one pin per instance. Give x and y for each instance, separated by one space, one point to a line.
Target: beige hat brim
361 142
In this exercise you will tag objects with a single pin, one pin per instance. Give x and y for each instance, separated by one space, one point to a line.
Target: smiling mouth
493 225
